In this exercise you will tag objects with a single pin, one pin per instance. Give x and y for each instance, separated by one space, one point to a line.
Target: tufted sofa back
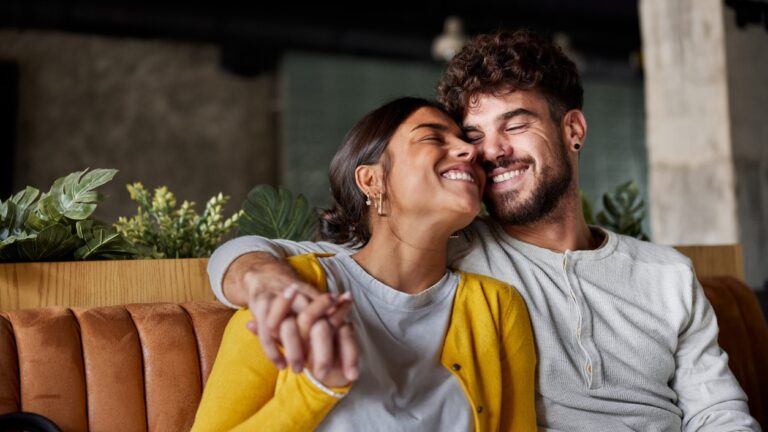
125 368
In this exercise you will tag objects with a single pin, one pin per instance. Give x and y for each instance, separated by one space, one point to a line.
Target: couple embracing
413 314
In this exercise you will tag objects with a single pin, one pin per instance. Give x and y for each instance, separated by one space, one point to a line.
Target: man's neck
563 229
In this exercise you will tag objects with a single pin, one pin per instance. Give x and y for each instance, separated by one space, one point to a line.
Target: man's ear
575 128
370 179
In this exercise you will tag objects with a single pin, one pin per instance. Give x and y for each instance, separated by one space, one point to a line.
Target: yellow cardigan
488 347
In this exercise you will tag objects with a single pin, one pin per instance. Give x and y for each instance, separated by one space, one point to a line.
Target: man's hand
278 300
255 280
319 337
330 348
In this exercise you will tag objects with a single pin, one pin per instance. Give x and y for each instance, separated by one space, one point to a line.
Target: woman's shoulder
477 285
309 268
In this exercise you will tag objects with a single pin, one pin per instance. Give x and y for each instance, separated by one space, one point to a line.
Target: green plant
623 211
274 213
58 225
160 230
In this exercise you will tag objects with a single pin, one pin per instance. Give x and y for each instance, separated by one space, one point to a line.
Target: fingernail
346 296
352 374
289 291
252 326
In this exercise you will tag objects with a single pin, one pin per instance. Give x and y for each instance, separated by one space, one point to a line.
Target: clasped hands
301 328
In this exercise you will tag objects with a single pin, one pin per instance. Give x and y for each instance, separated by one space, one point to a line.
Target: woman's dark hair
364 144
494 63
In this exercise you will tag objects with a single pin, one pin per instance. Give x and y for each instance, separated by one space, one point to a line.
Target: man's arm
708 393
257 261
251 271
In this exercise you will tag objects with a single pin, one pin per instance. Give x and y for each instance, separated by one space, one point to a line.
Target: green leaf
8 247
623 211
14 212
73 196
55 241
610 205
102 241
24 201
274 213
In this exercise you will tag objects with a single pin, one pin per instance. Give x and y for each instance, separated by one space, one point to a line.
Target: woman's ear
370 179
575 128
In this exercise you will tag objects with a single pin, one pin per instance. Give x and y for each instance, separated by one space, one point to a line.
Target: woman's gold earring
380 204
367 199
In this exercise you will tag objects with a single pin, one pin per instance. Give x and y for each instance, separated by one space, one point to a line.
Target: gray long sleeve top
626 339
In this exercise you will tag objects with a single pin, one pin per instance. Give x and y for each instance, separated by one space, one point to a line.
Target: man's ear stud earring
577 146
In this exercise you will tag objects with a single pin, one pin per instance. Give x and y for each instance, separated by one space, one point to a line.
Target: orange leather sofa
142 367
117 368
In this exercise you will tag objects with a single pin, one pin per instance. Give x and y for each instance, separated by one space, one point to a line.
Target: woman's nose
466 151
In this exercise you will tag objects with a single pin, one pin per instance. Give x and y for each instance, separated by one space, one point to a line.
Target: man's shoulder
650 253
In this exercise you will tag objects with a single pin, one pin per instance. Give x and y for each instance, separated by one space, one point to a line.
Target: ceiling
395 28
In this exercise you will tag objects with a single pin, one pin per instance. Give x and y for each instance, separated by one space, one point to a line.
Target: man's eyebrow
438 126
503 117
515 113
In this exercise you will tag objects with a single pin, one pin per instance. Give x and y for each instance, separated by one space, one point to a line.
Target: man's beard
553 183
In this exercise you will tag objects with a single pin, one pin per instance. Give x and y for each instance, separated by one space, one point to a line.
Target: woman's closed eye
473 139
433 138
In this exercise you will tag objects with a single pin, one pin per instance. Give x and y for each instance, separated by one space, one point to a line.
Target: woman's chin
467 211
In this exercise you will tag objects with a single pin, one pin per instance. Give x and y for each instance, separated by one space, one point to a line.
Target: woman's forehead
429 115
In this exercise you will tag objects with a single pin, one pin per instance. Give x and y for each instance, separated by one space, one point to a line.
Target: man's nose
492 149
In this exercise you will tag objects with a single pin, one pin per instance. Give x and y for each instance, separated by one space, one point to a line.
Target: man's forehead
497 107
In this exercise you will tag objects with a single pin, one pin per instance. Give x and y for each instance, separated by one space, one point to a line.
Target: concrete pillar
706 93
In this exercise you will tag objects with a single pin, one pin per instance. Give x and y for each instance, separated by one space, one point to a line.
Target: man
626 339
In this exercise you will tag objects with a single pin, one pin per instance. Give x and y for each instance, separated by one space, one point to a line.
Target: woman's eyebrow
438 126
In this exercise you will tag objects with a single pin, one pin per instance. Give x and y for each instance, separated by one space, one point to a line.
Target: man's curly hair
507 61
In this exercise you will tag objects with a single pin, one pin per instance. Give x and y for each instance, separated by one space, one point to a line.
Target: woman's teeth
458 175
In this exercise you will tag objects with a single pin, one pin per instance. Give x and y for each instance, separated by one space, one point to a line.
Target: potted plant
54 253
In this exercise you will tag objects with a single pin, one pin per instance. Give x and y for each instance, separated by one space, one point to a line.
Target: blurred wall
706 93
162 113
746 50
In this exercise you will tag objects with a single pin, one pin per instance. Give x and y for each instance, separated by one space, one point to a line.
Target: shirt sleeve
708 393
246 392
225 254
518 397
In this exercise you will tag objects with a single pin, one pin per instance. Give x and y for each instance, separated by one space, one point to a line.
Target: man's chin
516 211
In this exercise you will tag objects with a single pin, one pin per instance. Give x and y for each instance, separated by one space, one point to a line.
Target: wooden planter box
102 283
107 283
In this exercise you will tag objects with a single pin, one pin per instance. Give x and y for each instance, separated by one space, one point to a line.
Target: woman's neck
406 261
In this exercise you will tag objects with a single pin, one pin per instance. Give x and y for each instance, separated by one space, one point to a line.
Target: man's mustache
503 162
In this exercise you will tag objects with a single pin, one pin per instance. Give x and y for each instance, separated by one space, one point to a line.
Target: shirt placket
591 365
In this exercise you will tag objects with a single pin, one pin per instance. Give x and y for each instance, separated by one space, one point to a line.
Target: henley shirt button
456 367
589 368
479 409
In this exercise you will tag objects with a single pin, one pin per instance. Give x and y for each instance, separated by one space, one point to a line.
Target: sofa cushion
744 336
129 368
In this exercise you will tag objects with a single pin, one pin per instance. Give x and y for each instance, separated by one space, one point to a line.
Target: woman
439 349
